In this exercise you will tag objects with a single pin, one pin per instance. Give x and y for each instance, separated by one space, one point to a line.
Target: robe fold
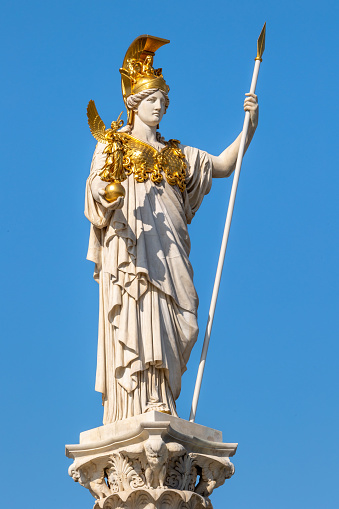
148 303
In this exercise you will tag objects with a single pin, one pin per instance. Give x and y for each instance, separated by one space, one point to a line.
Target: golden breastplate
145 162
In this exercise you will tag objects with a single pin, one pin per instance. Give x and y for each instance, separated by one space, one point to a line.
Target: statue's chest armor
145 162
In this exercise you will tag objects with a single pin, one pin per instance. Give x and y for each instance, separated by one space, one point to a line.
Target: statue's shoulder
175 148
174 143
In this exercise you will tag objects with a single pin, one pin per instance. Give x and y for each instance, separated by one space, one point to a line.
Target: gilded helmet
137 72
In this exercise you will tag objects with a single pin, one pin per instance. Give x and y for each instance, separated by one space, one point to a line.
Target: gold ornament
113 191
113 170
126 154
137 72
145 162
261 43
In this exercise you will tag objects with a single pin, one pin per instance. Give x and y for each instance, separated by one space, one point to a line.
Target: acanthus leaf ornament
182 473
121 474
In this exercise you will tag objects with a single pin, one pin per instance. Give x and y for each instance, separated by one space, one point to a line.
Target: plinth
151 461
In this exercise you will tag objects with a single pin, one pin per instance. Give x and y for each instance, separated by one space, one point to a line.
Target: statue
140 244
140 196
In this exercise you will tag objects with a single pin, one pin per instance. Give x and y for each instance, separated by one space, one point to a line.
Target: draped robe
148 303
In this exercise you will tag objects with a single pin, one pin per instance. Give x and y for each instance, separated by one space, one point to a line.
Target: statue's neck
144 132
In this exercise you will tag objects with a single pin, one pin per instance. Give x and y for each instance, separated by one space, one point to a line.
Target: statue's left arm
224 164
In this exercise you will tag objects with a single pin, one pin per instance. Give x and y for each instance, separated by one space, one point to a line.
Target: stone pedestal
151 461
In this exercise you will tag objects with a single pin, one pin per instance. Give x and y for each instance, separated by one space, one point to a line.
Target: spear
258 60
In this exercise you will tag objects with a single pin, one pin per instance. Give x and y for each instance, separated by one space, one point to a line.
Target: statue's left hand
251 105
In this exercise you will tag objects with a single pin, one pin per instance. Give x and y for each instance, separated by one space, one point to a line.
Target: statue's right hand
116 204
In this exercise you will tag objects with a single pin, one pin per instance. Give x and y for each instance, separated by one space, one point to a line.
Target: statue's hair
133 102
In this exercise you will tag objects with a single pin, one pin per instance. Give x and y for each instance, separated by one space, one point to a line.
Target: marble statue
141 194
140 244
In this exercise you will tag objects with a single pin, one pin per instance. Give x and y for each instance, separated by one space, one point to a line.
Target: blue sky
271 381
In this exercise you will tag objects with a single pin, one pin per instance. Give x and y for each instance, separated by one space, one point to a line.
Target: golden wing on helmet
96 125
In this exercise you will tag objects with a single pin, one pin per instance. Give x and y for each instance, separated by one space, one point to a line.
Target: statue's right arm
97 210
97 185
98 192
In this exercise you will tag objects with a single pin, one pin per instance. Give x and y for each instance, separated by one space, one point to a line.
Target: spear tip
261 43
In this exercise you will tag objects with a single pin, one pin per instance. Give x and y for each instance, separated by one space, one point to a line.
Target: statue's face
152 109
